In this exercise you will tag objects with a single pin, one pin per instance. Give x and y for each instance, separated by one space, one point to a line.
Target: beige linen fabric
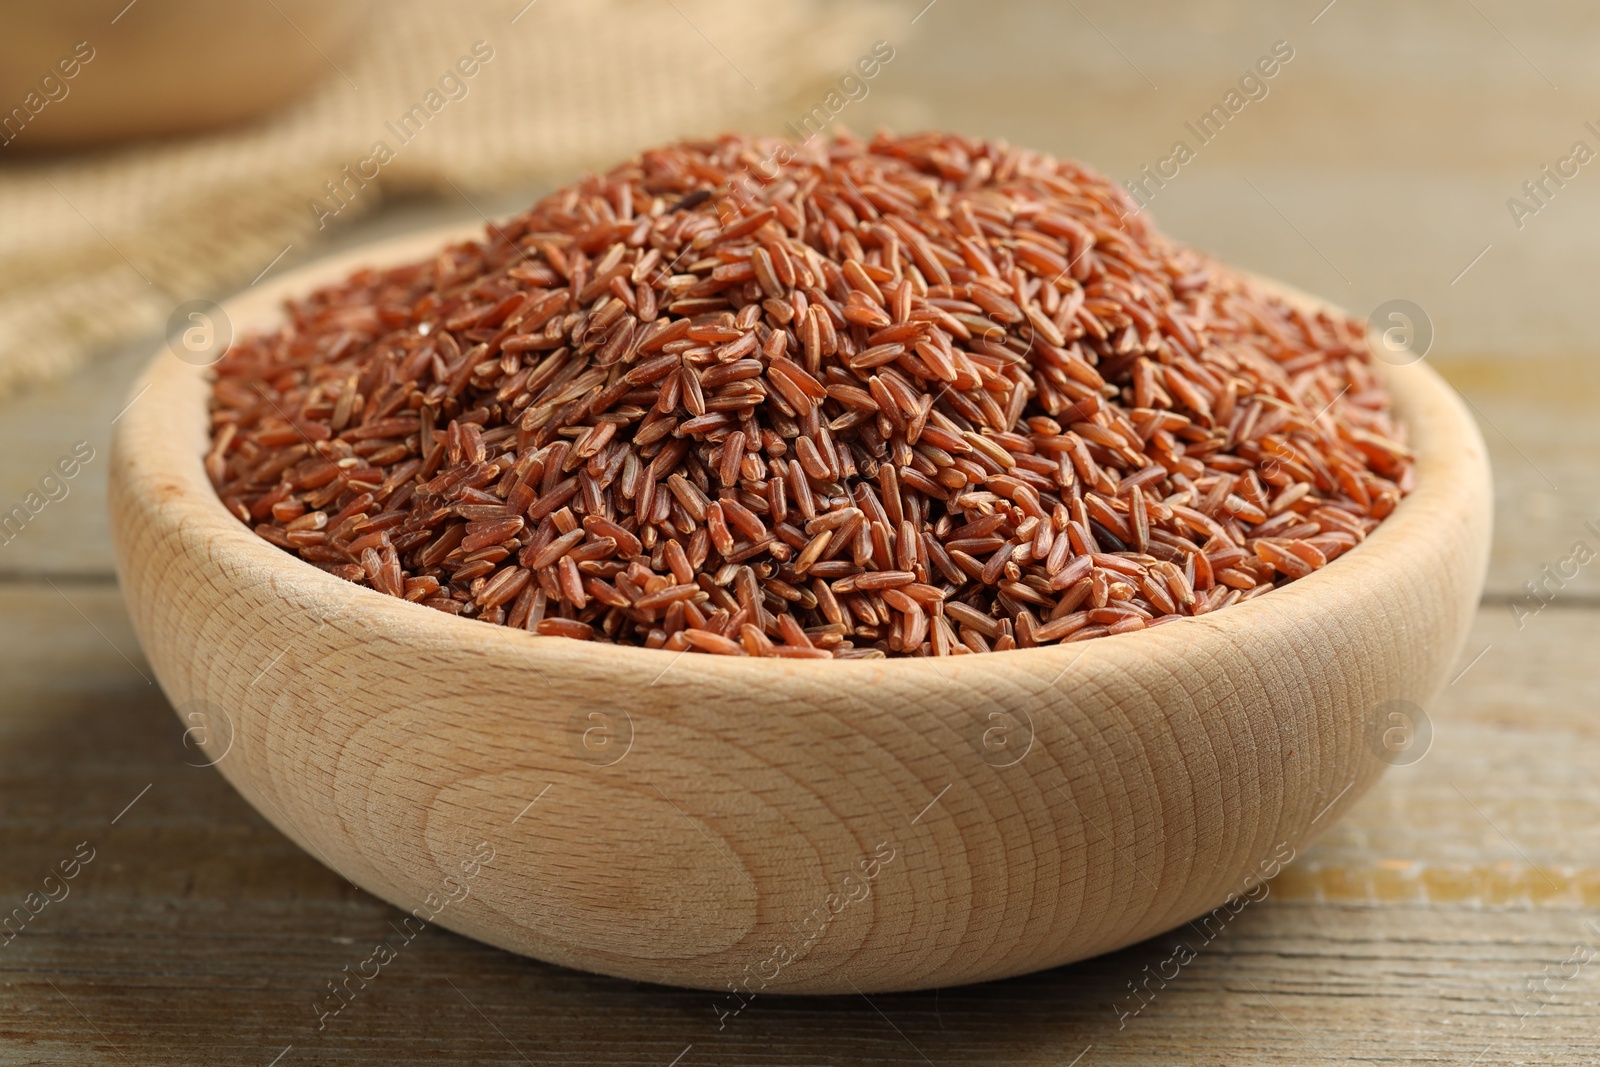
96 248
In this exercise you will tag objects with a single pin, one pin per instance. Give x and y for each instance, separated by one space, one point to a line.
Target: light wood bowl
165 67
785 826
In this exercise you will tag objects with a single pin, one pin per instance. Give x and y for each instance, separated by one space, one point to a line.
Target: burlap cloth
95 249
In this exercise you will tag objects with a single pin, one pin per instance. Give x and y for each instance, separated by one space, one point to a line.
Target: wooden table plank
1382 155
1381 163
199 934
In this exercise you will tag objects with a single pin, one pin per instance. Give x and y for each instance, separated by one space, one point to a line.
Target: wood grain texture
1378 164
1407 934
201 935
799 827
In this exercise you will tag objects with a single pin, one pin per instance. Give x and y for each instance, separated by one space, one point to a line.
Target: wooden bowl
92 74
778 825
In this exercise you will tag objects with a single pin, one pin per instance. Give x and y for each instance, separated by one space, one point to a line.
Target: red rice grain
906 396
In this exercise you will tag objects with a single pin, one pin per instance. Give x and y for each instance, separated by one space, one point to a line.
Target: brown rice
920 395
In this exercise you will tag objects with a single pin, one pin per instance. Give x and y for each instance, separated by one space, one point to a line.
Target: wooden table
1453 916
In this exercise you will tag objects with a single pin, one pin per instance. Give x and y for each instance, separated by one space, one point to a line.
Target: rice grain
915 395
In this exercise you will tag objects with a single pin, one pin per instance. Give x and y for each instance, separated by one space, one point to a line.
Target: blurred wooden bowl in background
77 74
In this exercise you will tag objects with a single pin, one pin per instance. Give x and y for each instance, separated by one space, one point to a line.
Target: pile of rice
910 396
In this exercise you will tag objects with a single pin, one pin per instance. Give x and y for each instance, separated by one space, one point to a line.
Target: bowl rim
161 441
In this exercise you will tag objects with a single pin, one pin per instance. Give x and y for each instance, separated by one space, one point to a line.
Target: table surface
1452 916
